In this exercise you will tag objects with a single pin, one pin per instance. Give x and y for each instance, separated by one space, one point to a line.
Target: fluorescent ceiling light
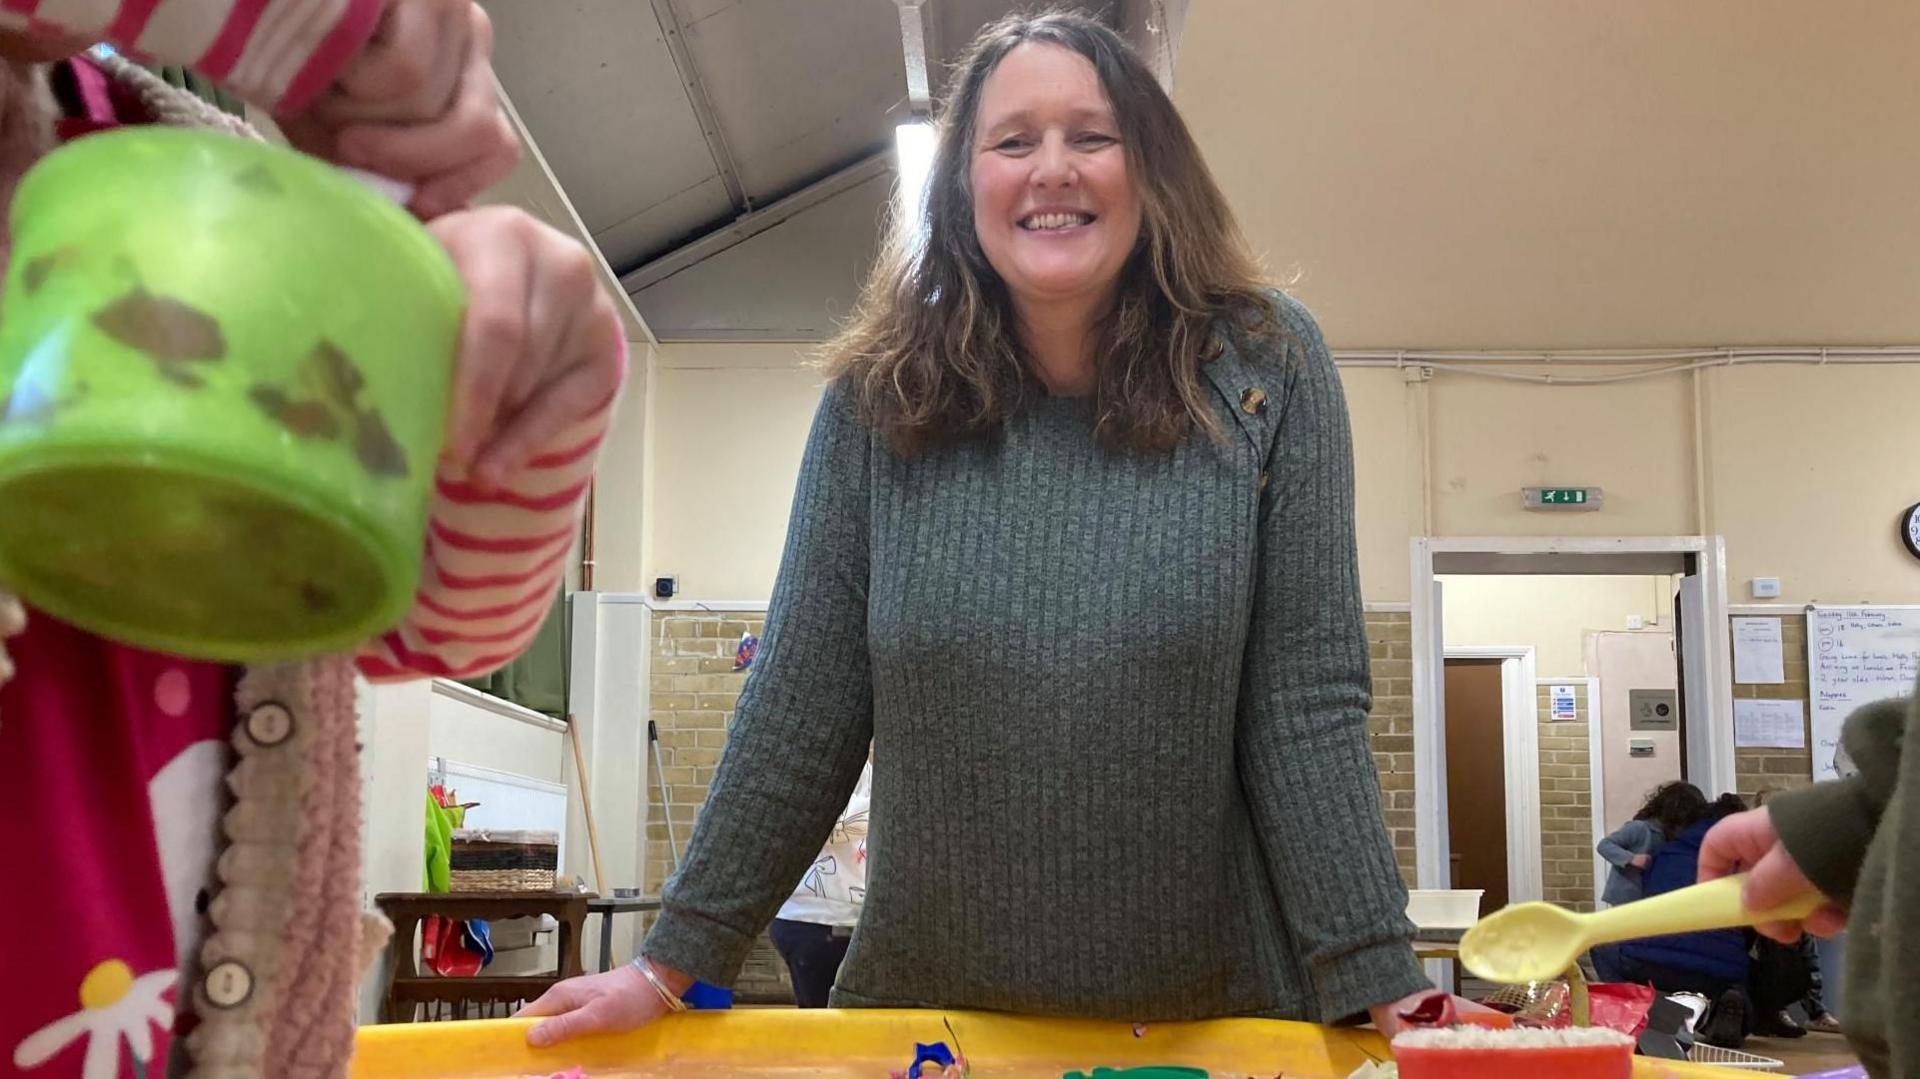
914 144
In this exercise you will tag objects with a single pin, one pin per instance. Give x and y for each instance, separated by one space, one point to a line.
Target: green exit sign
1561 498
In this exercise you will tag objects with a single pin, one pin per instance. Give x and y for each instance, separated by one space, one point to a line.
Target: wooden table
608 906
408 988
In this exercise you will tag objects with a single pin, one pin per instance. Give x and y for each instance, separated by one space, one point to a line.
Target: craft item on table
1441 1009
947 1065
1154 1072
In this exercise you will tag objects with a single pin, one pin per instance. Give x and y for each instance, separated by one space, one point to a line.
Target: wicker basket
493 861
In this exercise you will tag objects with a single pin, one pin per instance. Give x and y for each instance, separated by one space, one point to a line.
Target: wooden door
1477 778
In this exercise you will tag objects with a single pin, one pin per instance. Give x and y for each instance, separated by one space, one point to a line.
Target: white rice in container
1515 1038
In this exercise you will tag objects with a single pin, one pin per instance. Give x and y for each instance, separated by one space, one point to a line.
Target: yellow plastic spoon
1537 942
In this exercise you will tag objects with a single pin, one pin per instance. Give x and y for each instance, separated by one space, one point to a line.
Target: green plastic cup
224 378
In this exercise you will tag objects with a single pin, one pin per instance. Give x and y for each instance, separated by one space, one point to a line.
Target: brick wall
1566 803
693 694
1390 644
1757 770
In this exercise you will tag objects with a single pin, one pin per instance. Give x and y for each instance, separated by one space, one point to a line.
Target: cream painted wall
730 423
619 505
393 732
1554 614
1491 438
1585 173
1811 469
1805 469
460 731
1386 486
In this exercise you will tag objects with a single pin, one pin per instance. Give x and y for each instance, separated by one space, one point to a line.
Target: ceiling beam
1153 28
749 225
533 186
920 52
717 147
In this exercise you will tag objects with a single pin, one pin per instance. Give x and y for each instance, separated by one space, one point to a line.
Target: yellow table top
869 1043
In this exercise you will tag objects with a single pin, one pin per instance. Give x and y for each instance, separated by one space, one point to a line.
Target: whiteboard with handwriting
1855 656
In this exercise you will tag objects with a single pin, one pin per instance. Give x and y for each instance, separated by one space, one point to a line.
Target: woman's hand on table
617 1000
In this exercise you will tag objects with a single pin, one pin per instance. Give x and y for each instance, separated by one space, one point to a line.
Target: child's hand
1640 861
417 104
13 619
541 347
1747 841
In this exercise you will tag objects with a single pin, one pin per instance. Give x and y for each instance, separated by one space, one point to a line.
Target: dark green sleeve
1826 827
1304 758
800 732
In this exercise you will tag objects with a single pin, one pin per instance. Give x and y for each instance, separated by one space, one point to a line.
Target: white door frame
1596 782
1519 711
1710 735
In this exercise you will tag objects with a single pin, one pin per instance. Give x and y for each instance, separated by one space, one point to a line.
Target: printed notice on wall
1770 724
1855 656
1561 700
1756 652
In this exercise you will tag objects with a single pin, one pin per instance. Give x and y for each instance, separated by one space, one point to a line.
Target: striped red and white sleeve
494 562
277 54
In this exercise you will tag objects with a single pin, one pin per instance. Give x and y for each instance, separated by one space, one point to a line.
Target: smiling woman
1069 215
1073 548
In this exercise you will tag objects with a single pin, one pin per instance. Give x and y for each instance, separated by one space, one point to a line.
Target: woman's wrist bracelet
672 999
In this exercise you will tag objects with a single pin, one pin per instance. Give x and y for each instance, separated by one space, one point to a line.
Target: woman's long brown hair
930 350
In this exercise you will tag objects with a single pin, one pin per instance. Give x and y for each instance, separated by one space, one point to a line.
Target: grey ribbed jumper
1118 704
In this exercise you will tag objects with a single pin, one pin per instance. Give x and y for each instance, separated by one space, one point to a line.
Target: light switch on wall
1634 621
1766 587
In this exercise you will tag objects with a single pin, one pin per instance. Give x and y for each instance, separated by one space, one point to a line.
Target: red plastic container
1561 1062
1558 1062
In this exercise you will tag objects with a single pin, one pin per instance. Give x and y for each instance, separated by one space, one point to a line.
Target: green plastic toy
224 377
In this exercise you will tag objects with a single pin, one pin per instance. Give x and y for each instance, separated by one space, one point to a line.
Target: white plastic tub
1456 908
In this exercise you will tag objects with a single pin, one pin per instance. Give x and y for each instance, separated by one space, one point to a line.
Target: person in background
1714 963
1631 847
815 926
1856 842
1792 973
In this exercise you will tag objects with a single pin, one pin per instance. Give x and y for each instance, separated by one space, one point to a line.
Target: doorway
1476 779
1701 738
1498 779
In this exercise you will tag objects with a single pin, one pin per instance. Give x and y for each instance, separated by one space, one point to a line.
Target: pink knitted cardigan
287 943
